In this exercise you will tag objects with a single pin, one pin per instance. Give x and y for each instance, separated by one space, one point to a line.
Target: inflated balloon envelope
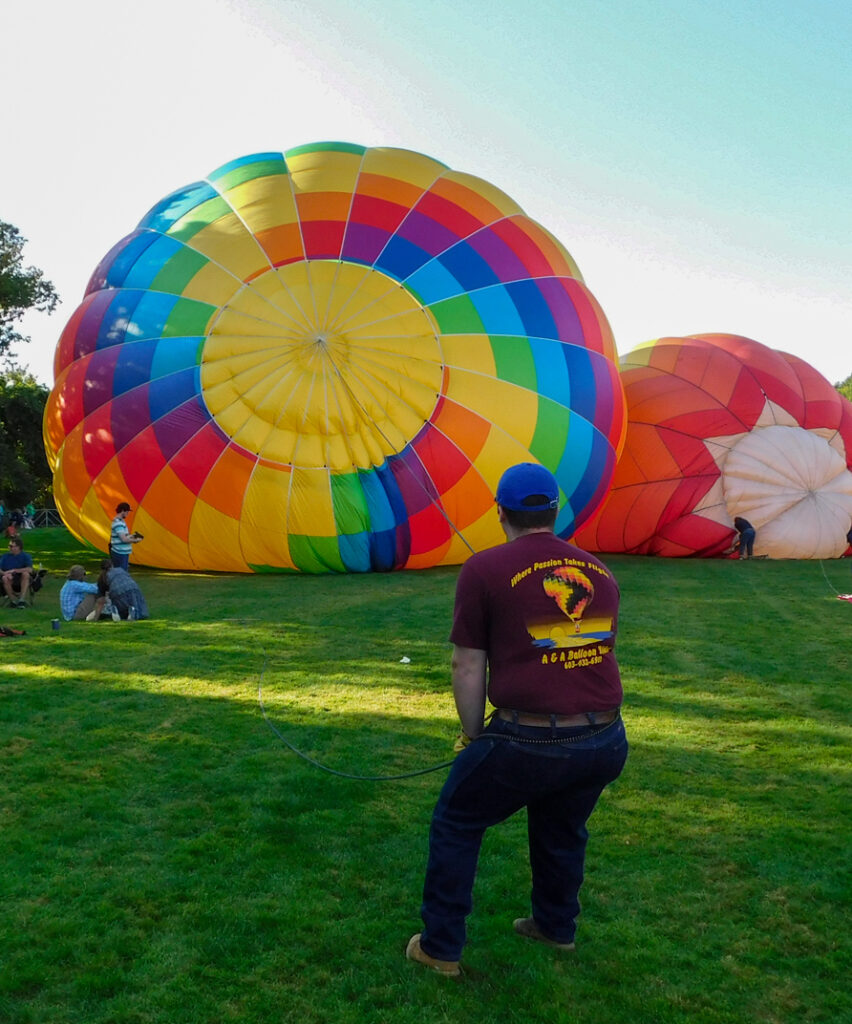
323 360
723 426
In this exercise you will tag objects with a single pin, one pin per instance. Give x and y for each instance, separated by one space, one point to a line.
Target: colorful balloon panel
721 426
323 360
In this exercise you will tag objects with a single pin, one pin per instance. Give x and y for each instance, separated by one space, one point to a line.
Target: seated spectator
16 567
78 599
126 600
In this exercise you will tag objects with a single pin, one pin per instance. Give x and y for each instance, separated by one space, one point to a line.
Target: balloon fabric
722 426
322 360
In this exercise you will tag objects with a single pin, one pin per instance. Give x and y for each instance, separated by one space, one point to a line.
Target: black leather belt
556 721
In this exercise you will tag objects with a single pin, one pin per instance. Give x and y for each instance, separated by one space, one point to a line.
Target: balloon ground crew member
746 531
534 625
121 540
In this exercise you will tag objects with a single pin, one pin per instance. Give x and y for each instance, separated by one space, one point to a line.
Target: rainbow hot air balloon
323 360
721 426
571 589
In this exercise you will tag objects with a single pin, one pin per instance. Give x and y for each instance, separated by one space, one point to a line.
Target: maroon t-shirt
546 614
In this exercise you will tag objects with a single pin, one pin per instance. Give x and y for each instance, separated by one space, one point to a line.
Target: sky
695 158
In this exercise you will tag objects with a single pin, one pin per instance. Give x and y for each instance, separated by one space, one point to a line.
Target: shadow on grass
162 845
165 859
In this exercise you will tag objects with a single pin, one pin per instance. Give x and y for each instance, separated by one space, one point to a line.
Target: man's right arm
469 686
17 569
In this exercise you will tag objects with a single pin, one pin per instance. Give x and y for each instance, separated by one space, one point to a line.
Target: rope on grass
334 771
840 597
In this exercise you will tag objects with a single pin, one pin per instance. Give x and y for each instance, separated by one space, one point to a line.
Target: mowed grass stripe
166 859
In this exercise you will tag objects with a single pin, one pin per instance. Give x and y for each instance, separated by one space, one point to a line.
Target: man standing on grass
534 627
121 540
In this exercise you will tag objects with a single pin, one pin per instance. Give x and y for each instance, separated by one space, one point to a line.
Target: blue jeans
120 561
747 543
497 775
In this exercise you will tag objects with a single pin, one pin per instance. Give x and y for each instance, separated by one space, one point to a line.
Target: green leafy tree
24 472
845 387
21 288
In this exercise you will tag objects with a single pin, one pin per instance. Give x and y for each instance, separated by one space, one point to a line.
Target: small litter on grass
404 661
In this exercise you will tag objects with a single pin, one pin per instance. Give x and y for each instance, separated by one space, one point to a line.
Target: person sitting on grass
17 569
125 599
78 599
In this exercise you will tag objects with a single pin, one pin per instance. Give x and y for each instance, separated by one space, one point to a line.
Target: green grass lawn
165 858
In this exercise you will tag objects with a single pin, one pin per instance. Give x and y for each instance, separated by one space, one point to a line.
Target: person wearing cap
121 541
534 628
77 599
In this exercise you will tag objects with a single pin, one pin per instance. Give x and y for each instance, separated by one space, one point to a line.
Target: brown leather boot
527 927
449 968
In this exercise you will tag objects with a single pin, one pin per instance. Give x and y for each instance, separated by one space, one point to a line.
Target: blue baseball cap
528 487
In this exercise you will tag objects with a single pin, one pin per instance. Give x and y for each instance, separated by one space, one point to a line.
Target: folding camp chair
36 583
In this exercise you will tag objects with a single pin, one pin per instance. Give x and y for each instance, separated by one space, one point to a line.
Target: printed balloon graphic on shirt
323 360
721 426
570 589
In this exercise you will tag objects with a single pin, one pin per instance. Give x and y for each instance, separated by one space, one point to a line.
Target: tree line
24 472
